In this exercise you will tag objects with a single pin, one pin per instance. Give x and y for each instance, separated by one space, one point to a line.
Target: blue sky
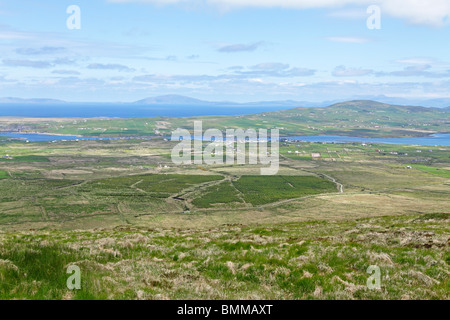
246 50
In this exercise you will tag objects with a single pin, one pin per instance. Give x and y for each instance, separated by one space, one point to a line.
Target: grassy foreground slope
355 118
309 260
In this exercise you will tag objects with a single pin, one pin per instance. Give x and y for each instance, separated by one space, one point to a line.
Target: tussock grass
302 260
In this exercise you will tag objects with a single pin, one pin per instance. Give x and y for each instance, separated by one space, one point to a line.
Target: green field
441 172
30 158
222 194
259 190
160 186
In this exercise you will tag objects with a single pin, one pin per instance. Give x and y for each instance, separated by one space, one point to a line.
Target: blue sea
433 140
92 110
121 110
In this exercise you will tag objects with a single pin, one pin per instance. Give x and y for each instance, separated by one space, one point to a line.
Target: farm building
316 155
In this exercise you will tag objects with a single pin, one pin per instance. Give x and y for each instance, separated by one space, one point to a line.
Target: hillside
366 118
308 260
356 118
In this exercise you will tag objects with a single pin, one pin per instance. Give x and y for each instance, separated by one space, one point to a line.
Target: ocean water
434 140
90 110
44 137
120 110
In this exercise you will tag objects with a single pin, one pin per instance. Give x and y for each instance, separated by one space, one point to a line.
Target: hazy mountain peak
171 99
35 100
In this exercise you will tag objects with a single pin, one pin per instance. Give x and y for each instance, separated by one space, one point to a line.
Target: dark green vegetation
441 172
309 260
222 194
259 190
155 185
355 118
26 199
30 158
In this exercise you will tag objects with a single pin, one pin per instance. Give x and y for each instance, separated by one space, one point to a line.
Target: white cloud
270 66
416 61
418 70
343 71
229 48
27 63
353 13
8 35
66 72
432 13
110 66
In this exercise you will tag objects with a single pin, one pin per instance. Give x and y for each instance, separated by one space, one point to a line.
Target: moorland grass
308 260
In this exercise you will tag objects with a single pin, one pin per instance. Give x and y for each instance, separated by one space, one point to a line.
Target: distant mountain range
368 106
174 99
183 100
20 100
436 103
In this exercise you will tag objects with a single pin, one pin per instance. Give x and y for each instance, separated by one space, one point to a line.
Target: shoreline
301 138
43 133
388 136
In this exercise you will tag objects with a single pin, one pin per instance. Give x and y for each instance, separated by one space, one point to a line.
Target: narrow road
340 185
